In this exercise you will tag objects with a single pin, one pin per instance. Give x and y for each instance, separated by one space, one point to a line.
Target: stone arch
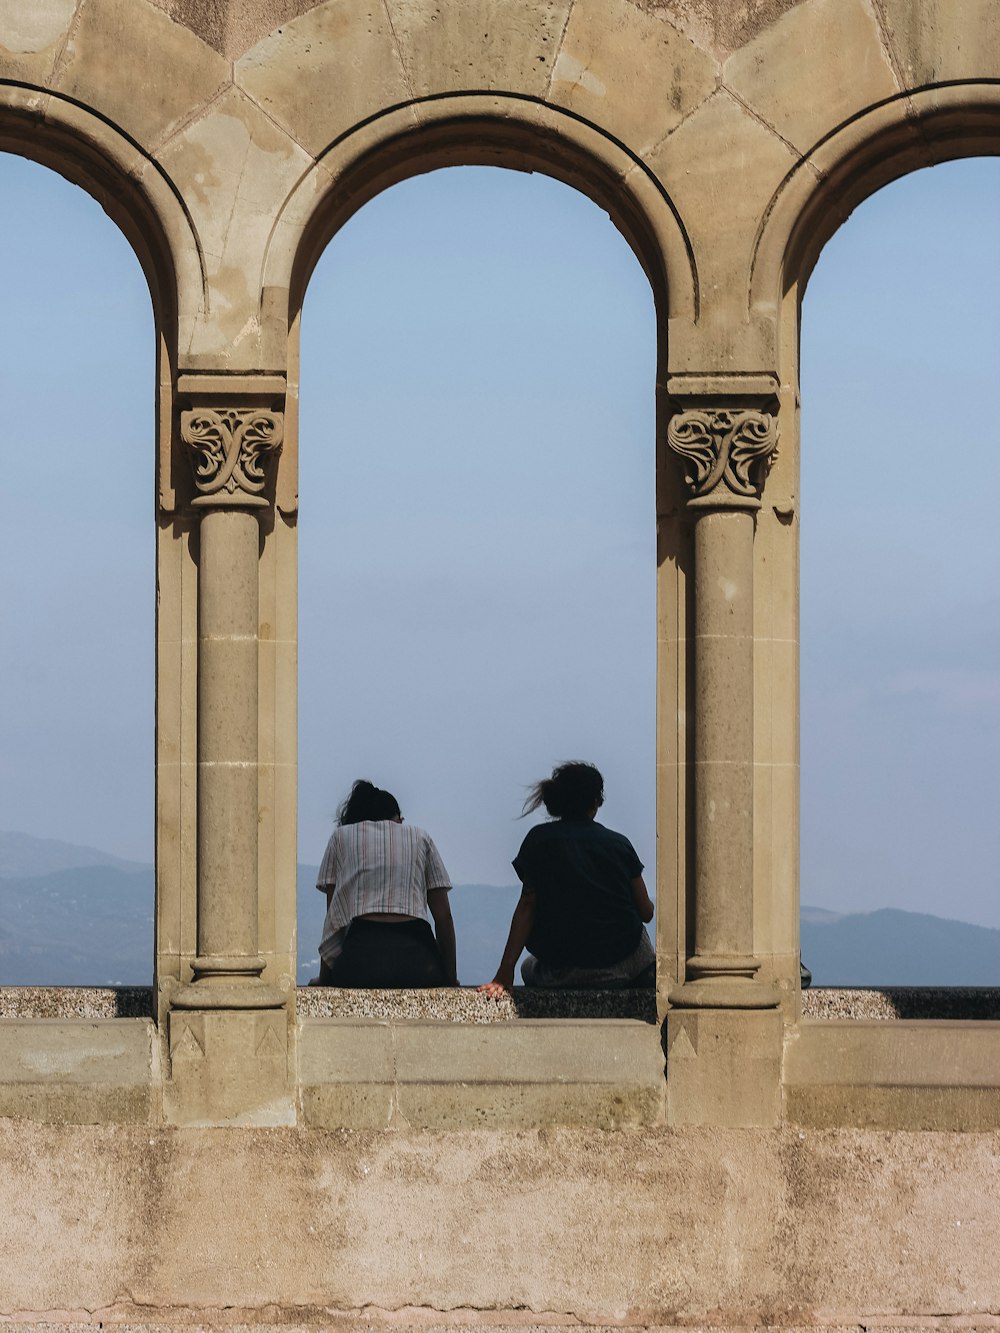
88 150
479 129
883 143
503 130
132 188
887 141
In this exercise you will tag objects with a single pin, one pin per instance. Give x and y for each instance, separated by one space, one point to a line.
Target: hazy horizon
93 925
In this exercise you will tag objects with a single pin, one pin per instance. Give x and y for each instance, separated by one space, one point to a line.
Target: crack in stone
889 50
761 120
557 51
397 47
60 61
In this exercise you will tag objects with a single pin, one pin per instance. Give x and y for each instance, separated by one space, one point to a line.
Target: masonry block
724 1067
228 1067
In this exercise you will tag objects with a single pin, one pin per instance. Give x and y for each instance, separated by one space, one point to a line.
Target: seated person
583 902
380 877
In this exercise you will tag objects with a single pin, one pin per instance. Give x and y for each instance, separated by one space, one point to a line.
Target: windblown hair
367 801
570 793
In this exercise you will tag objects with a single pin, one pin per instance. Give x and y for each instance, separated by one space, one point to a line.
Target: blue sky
901 552
476 526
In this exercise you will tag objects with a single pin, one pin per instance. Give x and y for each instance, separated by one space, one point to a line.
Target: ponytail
570 793
367 801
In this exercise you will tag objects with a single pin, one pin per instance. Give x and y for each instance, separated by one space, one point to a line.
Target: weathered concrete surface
646 1226
431 1321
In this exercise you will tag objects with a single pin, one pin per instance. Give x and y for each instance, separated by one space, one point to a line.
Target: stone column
231 451
726 451
228 1042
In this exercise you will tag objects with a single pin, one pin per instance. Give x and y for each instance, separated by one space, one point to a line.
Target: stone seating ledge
465 1005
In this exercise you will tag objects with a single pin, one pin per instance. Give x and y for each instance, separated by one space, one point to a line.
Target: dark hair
367 801
570 793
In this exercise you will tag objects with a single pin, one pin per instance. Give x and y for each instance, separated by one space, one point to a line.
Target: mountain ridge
23 856
92 924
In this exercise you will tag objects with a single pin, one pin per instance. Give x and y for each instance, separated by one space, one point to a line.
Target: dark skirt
386 955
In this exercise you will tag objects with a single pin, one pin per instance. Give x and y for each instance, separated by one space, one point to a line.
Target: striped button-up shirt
376 865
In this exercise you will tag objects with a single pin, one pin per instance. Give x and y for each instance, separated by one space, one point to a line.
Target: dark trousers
386 955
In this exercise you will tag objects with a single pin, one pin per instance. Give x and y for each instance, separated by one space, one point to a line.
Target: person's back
381 877
583 901
581 874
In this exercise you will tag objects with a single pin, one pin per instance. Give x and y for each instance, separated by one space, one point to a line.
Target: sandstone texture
223 1150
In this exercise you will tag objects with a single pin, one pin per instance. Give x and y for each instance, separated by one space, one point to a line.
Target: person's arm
326 880
641 899
444 931
520 928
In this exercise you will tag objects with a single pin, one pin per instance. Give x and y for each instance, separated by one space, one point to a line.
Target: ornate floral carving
727 452
231 450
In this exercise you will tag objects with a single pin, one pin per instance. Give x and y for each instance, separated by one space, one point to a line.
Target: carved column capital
231 451
727 452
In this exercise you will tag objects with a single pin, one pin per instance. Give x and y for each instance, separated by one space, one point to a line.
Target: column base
724 981
227 983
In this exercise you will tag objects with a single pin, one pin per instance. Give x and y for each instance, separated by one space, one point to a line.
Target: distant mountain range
23 856
74 915
83 925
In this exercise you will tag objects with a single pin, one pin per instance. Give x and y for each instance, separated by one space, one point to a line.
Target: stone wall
479 1227
731 1161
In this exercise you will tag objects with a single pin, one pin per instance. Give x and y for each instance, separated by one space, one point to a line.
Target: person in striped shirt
381 877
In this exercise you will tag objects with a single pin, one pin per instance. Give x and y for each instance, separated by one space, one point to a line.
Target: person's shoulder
612 837
542 832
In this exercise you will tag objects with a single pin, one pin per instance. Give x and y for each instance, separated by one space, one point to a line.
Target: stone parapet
379 1074
906 1074
77 1071
465 1005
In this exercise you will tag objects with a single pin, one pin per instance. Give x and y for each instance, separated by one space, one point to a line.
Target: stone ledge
965 1003
76 1001
464 1005
454 1005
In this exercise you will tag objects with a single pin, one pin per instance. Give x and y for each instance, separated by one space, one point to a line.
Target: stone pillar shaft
227 744
723 728
726 450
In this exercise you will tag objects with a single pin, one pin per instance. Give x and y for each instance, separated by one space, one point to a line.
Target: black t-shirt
581 874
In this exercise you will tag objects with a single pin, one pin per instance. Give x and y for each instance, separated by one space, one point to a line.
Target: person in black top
583 902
